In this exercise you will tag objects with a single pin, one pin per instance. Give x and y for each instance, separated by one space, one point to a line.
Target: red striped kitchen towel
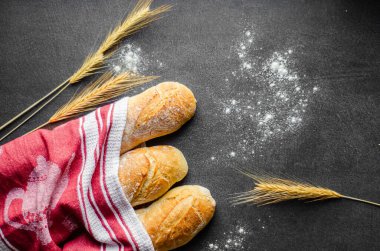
59 189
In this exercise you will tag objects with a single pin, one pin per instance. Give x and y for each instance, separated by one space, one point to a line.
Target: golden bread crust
147 173
158 111
178 216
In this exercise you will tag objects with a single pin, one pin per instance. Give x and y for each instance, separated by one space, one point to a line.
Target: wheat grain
90 65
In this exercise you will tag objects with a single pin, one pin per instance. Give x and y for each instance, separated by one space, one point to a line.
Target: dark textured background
43 42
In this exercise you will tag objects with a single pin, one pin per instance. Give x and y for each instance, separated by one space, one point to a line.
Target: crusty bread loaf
158 111
178 216
147 173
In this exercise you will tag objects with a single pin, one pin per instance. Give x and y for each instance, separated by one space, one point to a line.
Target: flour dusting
232 240
277 102
131 58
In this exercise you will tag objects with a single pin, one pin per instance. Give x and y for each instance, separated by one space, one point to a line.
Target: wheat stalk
270 190
140 16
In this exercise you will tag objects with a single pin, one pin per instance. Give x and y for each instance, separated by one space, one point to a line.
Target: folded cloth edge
117 195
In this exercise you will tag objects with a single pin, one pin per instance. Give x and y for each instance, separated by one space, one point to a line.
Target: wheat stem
39 127
35 112
32 105
361 200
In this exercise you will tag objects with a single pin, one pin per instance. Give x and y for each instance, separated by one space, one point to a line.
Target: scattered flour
274 107
131 58
243 48
232 240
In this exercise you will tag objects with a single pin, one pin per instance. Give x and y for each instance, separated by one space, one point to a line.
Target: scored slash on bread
158 111
147 173
173 220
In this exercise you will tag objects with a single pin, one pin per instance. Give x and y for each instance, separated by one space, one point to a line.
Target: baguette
178 216
148 173
145 174
158 111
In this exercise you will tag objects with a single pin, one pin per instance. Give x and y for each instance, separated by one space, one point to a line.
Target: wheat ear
105 89
140 16
270 190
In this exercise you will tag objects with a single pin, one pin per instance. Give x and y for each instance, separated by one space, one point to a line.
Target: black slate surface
336 48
